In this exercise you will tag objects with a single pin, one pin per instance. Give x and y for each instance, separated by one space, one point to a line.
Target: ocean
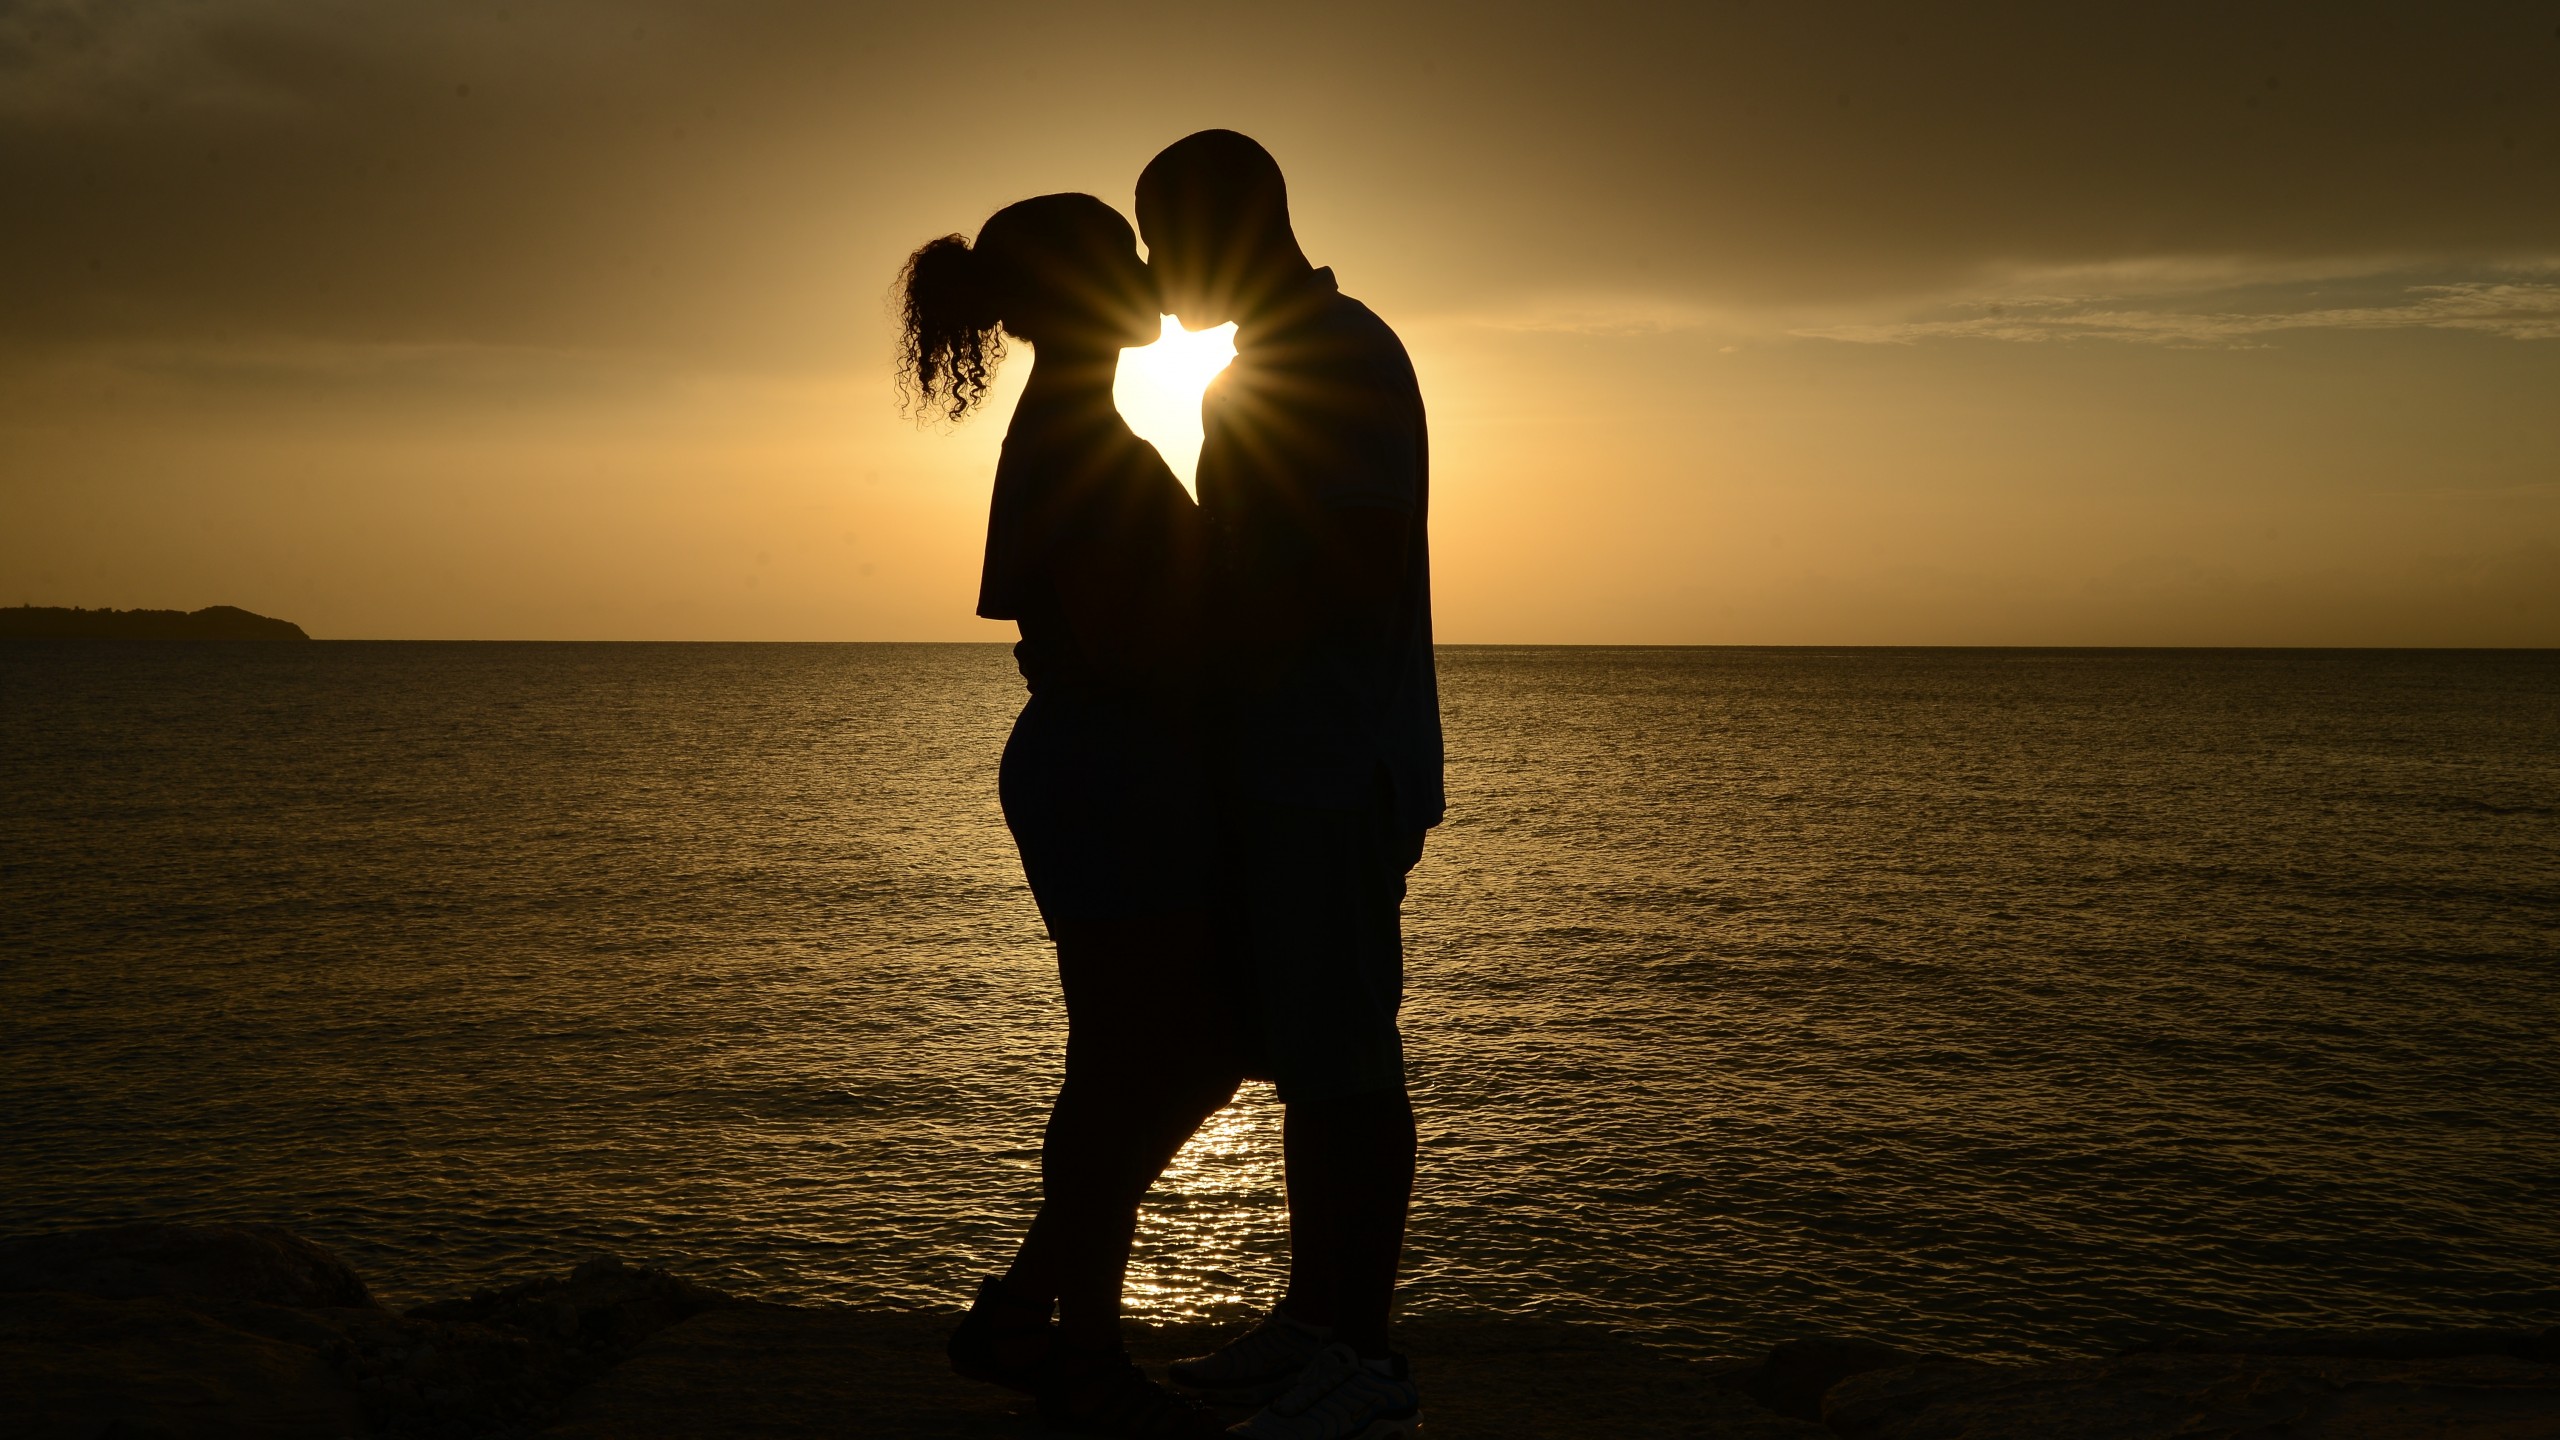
2012 1003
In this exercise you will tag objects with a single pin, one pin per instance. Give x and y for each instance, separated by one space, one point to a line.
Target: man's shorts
1316 916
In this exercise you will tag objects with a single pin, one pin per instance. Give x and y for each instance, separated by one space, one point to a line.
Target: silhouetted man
1314 480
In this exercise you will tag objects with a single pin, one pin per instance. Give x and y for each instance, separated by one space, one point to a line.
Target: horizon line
1437 645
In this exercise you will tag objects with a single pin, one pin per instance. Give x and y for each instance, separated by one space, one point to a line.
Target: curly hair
959 301
950 335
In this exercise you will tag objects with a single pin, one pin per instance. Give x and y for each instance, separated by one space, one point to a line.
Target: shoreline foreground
253 1330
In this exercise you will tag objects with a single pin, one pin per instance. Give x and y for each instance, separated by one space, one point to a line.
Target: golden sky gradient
1750 323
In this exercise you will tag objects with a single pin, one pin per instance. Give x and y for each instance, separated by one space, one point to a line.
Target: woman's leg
1149 1056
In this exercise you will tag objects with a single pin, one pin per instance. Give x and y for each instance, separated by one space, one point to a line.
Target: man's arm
1362 568
1351 588
1350 450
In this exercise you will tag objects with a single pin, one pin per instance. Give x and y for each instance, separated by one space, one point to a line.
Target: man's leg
1350 1170
1318 923
1330 963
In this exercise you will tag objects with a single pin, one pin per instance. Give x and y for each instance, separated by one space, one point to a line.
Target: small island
214 622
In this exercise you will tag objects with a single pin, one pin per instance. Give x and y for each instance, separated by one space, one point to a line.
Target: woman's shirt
1093 549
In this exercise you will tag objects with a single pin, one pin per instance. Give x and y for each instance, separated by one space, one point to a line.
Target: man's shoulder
1347 344
1357 325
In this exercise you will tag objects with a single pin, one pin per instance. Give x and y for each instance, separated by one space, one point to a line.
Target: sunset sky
1748 323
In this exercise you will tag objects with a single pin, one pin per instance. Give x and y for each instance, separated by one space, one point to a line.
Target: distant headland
214 622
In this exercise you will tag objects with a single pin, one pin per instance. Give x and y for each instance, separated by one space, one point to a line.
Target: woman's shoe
1106 1394
1003 1341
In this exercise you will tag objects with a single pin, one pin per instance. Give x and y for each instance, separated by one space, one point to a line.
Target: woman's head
1056 270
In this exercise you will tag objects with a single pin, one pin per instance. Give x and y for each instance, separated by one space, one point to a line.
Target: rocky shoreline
250 1330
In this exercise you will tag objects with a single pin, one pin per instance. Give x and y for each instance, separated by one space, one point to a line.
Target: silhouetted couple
1229 758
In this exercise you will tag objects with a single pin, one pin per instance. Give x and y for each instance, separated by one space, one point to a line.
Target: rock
513 1355
427 1378
207 1314
1798 1373
186 1264
2160 1396
163 1330
778 1371
77 1366
1498 1377
773 1370
603 1308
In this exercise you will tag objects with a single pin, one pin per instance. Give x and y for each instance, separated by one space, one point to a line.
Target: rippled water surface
2009 1002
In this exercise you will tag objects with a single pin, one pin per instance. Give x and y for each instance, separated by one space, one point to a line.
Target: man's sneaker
1254 1366
1342 1397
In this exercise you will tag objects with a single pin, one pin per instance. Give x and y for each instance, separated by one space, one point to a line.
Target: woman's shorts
1108 803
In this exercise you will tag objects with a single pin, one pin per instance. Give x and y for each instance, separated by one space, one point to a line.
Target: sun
1158 389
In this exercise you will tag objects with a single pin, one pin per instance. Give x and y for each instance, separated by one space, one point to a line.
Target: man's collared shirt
1319 413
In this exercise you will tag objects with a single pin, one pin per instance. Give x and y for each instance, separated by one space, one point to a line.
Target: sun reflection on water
1214 1236
406 946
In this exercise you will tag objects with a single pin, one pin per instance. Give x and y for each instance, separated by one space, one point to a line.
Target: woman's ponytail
950 338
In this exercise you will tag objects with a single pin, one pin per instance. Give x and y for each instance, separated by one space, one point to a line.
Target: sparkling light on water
2005 1002
1216 1218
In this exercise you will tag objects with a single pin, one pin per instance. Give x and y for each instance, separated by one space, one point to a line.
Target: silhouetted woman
1093 550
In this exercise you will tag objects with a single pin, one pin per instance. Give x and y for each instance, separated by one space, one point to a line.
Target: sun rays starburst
1159 386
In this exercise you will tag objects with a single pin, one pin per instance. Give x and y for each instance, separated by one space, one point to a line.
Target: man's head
1215 215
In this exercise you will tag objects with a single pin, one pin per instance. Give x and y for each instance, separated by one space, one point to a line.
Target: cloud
742 177
1603 317
2509 309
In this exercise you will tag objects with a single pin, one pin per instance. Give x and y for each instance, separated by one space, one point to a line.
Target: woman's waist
1053 667
1078 703
1102 743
